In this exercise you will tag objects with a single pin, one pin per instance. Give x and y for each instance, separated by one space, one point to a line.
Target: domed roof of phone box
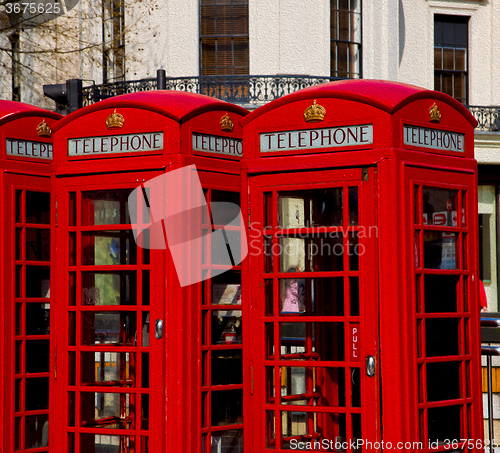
177 105
385 95
11 110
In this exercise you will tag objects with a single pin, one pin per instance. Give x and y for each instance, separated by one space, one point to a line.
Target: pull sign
159 329
355 343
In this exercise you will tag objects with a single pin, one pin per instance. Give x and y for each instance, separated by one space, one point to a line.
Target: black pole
161 79
75 94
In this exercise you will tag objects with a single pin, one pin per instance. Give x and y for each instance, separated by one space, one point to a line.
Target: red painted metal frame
17 121
367 320
175 411
389 170
388 106
202 315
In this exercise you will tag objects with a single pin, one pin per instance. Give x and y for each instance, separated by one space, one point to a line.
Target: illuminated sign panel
135 143
317 138
217 145
26 148
433 138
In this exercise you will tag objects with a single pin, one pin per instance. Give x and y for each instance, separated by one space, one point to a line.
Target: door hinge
249 212
365 174
57 212
55 363
251 379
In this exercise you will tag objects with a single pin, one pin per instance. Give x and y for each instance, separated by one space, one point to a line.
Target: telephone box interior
362 271
129 343
25 300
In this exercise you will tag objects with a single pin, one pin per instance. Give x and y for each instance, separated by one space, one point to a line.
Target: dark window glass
451 56
224 37
345 38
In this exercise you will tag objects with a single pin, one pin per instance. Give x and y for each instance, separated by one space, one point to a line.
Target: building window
450 56
15 44
224 37
345 38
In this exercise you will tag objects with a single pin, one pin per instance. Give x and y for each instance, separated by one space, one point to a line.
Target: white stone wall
289 37
162 36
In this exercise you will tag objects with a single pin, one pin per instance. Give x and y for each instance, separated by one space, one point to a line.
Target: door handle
370 366
159 329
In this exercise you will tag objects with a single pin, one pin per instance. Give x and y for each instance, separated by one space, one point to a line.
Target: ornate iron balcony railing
488 118
247 90
251 90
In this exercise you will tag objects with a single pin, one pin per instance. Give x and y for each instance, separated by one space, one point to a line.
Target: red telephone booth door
109 363
314 356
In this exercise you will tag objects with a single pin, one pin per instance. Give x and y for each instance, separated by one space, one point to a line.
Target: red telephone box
26 157
362 271
139 352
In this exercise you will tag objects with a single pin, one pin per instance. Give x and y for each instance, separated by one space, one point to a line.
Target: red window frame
138 395
208 432
28 248
367 415
445 332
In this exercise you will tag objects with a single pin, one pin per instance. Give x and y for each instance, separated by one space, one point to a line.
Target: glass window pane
227 367
105 207
37 356
107 288
227 441
108 248
104 368
226 326
37 244
37 207
107 410
226 288
37 319
440 250
441 293
442 337
227 407
317 341
448 58
438 58
119 328
443 381
440 206
37 431
37 281
37 394
318 252
299 386
102 443
444 423
310 208
314 297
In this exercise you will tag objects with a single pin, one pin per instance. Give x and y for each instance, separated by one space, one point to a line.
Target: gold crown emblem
43 129
114 120
435 114
226 123
314 113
